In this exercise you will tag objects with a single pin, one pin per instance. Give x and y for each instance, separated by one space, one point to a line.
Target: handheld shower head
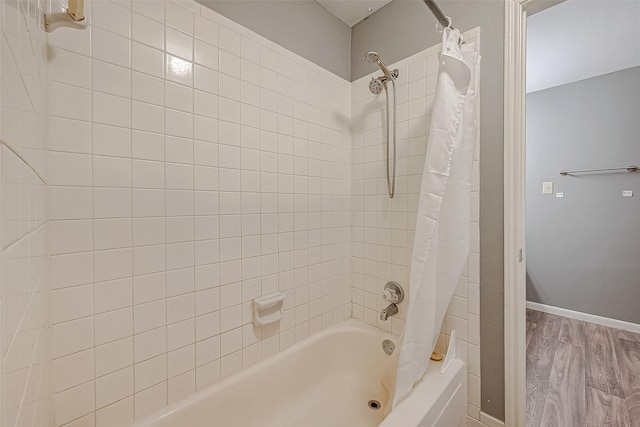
375 86
371 57
374 57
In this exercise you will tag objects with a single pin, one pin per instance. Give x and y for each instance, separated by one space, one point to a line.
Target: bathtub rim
413 409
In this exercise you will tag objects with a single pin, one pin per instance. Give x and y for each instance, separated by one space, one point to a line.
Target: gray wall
583 250
302 26
403 28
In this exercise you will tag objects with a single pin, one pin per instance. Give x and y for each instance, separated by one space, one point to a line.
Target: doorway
572 358
582 237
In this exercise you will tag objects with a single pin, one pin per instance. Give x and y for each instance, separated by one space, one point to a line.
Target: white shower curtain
441 246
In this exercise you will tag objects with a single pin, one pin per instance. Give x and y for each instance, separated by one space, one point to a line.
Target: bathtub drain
388 347
374 404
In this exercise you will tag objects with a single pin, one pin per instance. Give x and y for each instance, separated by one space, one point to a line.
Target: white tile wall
195 166
25 356
383 230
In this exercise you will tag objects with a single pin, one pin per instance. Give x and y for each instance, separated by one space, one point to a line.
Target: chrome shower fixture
376 85
374 58
371 57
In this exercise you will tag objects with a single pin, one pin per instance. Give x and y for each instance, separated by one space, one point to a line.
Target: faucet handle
393 293
390 295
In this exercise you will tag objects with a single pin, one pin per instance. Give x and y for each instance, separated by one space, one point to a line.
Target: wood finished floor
580 374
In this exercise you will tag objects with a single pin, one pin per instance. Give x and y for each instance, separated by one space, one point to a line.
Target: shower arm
394 75
388 74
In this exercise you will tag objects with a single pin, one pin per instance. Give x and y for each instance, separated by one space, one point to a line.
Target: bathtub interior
326 380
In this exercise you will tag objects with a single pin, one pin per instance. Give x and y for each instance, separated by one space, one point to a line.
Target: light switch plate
547 187
627 193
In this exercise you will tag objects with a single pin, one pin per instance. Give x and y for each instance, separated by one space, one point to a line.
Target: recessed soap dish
268 309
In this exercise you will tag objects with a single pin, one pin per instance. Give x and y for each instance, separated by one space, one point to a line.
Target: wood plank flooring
581 374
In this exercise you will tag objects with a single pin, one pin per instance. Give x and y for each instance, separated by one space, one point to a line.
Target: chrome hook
448 25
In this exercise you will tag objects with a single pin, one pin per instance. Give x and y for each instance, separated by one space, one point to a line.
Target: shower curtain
442 237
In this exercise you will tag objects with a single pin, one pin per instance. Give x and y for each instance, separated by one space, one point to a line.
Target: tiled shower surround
193 166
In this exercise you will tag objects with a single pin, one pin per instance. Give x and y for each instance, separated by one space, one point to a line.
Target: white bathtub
325 381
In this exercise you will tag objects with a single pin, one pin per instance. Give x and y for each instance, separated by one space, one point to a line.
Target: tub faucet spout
388 311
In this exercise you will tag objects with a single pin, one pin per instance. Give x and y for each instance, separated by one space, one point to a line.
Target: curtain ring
438 25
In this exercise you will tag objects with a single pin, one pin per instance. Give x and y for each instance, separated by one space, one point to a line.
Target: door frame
515 28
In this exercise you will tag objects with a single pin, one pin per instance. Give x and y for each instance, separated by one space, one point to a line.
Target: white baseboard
605 321
489 421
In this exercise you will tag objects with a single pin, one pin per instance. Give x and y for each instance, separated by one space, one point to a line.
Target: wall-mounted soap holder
268 309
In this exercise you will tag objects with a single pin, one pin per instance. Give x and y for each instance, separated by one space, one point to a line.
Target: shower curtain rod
433 7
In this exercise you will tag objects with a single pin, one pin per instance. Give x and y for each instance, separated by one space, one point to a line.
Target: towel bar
632 168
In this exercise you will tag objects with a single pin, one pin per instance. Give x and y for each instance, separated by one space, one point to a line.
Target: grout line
93 203
24 236
15 153
19 324
164 159
193 207
131 185
28 377
16 63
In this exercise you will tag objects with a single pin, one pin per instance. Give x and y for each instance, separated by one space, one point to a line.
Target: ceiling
352 11
579 39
